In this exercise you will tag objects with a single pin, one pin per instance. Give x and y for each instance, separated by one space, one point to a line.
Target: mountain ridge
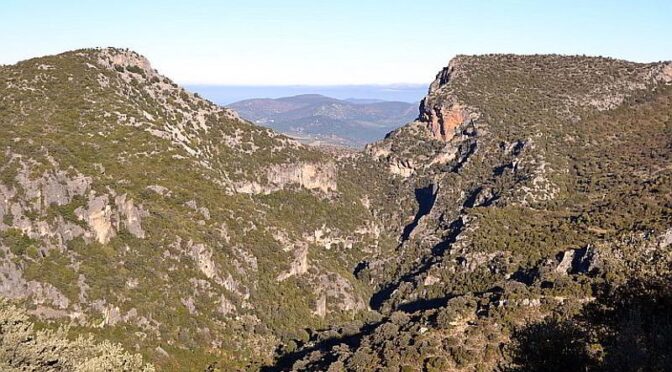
116 156
322 118
142 214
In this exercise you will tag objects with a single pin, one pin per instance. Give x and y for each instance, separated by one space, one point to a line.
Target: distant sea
226 94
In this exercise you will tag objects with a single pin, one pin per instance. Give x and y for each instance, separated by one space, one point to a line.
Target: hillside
519 224
140 213
543 228
316 118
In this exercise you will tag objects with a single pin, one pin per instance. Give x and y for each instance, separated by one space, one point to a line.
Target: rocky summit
521 222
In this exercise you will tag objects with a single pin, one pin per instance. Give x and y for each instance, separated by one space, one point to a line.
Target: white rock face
132 216
666 239
225 306
14 286
299 265
312 176
403 168
326 238
189 304
111 58
104 221
566 262
321 306
34 196
336 293
203 257
665 74
98 216
163 191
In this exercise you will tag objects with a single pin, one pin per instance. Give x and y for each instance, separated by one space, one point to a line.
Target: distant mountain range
315 118
227 94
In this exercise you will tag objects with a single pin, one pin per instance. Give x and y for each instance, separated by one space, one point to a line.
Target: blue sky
262 42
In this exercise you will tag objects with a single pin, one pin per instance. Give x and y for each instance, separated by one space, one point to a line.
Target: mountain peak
116 58
457 92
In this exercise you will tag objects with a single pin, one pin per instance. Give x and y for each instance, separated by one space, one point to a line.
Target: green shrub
17 241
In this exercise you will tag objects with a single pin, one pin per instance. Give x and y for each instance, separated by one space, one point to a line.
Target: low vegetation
137 216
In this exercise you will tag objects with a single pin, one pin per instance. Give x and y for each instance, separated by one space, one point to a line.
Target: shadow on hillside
378 299
424 304
628 328
286 360
426 197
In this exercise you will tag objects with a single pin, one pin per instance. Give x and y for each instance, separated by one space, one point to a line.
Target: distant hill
363 101
317 118
228 94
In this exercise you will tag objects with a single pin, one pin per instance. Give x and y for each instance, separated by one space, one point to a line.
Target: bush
22 348
17 241
136 70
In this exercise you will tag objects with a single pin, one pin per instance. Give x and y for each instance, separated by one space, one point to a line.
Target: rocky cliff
522 225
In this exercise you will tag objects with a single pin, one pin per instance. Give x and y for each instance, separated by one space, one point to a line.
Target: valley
316 119
526 196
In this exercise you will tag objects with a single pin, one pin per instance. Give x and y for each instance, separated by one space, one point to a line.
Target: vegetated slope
529 187
25 348
138 212
544 189
314 118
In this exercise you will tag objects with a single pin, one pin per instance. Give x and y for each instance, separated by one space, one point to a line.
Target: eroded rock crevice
425 197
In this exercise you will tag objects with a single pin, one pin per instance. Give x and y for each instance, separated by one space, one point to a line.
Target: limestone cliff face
105 221
309 175
444 135
122 59
665 74
312 176
445 111
445 120
441 109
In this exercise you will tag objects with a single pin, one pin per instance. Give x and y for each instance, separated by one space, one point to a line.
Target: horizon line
416 85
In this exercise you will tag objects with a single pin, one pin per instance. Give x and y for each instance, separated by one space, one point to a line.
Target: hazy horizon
227 94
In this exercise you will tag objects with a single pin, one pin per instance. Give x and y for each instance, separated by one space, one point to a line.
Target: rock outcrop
665 74
98 215
299 265
312 176
309 175
105 221
442 110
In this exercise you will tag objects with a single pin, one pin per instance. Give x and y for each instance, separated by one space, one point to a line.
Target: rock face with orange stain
444 120
441 109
